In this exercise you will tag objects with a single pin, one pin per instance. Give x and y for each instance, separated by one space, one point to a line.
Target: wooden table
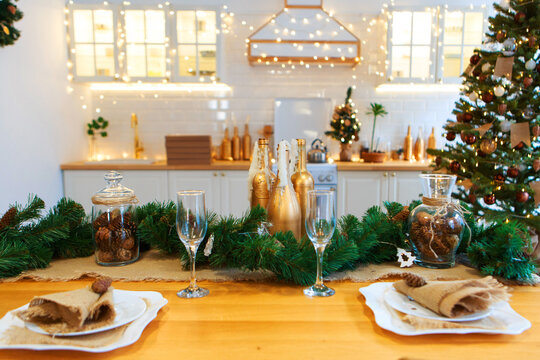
276 321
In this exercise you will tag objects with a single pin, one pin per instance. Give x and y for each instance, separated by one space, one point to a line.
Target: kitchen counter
244 165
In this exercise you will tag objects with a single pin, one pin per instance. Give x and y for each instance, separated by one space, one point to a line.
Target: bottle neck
302 158
263 152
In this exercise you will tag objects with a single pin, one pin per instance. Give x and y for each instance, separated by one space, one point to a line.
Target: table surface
246 320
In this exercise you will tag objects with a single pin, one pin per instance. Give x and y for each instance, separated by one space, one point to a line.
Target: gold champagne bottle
408 146
432 143
419 147
246 143
262 180
302 182
226 147
283 208
236 145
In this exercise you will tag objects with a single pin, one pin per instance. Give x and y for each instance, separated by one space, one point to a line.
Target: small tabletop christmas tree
345 126
498 157
9 14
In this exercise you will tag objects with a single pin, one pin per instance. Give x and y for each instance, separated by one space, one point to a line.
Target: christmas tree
345 126
8 15
497 157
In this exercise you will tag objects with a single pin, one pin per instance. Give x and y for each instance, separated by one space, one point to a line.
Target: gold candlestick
302 182
226 147
236 145
408 146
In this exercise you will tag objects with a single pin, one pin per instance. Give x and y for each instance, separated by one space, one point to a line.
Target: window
431 45
135 43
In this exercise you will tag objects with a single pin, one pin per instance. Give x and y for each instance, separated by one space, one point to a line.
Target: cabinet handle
385 174
215 174
223 174
393 174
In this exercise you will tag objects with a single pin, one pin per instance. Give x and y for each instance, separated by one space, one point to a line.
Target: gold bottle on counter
261 184
302 182
226 146
283 208
408 146
432 143
246 143
236 145
419 147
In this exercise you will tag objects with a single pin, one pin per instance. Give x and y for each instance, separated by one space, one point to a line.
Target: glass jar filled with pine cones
114 228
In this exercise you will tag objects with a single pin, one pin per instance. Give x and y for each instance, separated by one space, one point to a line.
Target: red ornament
475 59
467 117
522 196
459 117
482 78
500 35
527 82
532 41
519 17
450 136
487 97
472 198
519 146
477 71
12 9
502 109
536 164
512 172
455 166
489 199
536 130
438 161
500 178
470 139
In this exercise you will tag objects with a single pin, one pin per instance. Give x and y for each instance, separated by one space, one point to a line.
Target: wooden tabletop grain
249 320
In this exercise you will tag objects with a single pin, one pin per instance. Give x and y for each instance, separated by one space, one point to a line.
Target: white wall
41 125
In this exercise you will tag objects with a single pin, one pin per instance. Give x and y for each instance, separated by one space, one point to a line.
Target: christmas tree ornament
405 258
519 17
470 139
477 71
532 41
520 135
527 82
500 178
512 172
509 47
488 146
520 145
506 125
487 97
536 164
454 166
467 117
459 117
528 112
536 130
473 96
522 196
505 4
12 9
499 90
489 199
530 64
438 161
450 136
500 35
486 67
482 130
302 182
502 108
472 198
283 208
482 78
475 59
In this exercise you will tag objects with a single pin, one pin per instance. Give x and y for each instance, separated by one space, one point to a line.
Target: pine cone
8 217
103 236
414 280
101 221
403 215
124 254
117 223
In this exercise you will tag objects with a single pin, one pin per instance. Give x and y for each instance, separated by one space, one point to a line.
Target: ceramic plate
128 307
405 305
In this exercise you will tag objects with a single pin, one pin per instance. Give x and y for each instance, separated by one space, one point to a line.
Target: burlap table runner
154 266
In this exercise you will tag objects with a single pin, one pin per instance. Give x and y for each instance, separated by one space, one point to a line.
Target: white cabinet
360 190
196 180
234 192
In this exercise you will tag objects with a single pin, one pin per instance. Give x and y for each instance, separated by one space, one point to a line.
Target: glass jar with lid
114 228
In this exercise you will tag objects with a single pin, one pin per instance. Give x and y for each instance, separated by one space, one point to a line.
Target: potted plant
345 127
373 155
96 127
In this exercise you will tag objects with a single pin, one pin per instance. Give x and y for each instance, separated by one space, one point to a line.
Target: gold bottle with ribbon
432 143
408 146
283 208
302 182
260 178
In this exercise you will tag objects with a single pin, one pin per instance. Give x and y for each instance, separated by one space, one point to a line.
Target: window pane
134 26
185 26
468 51
82 22
401 27
84 57
420 62
136 60
156 60
400 61
453 28
452 61
155 26
206 21
103 26
187 60
473 28
207 60
105 60
421 28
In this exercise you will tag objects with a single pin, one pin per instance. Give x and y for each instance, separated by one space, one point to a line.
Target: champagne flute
191 226
320 226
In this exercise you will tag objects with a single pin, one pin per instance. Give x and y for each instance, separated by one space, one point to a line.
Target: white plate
128 307
506 319
402 303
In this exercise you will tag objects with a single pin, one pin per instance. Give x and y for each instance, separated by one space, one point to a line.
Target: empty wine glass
191 227
320 226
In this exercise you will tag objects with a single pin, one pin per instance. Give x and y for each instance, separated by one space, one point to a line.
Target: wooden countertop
243 165
275 321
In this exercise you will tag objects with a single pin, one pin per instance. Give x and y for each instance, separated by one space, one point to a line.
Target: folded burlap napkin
77 310
454 298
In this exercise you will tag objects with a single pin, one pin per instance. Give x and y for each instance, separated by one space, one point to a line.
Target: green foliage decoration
97 127
9 14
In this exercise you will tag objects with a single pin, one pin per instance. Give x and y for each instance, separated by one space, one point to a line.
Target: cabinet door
80 185
234 192
196 180
404 186
360 190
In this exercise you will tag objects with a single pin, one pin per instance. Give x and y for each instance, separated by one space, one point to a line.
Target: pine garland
9 14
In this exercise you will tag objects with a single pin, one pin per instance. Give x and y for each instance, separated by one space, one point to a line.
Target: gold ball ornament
488 146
